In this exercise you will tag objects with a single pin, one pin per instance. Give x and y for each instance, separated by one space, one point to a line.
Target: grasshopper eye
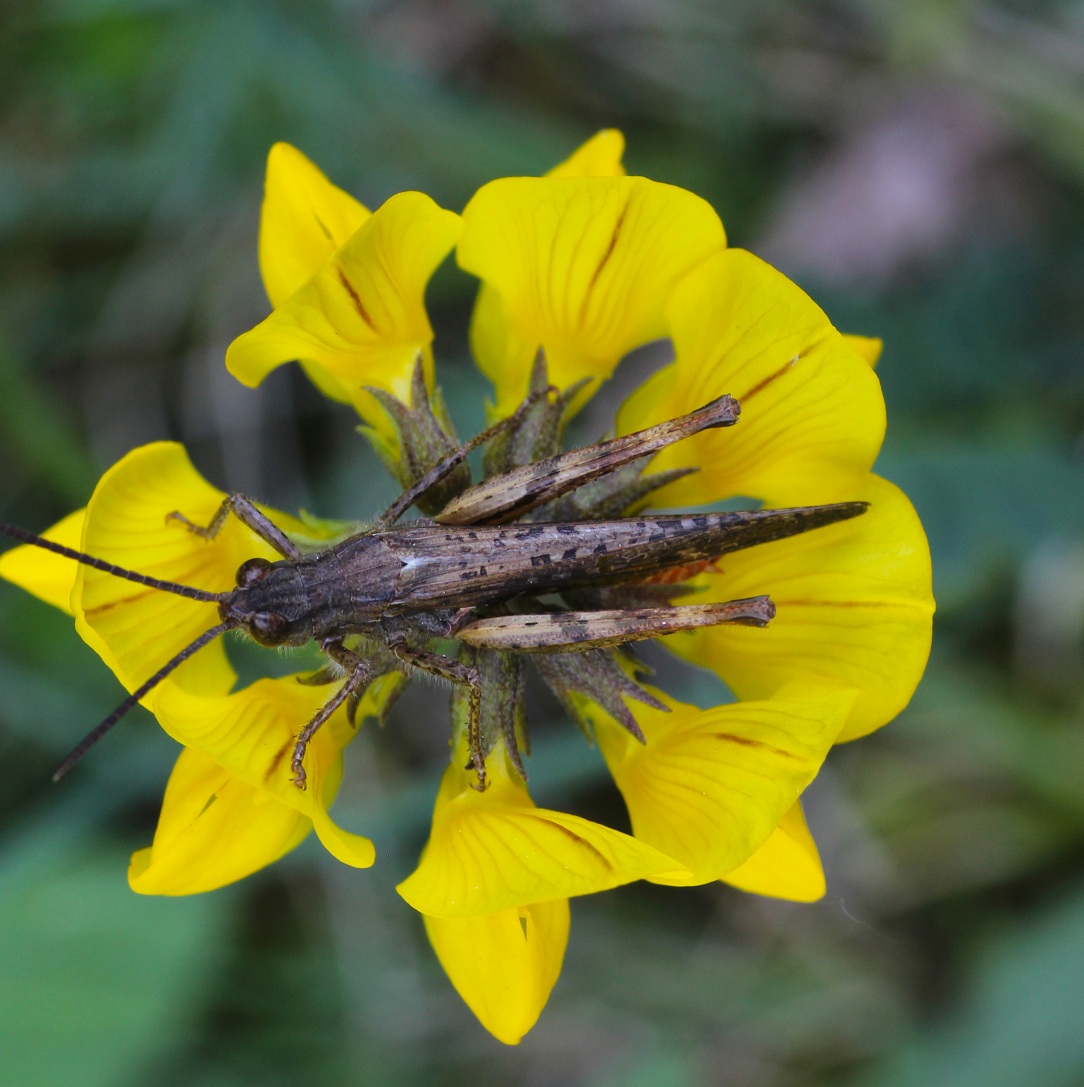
251 571
267 627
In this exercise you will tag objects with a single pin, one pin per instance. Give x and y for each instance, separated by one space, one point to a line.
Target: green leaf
1021 1020
96 981
986 507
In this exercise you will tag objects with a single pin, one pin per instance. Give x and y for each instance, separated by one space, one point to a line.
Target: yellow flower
577 268
347 286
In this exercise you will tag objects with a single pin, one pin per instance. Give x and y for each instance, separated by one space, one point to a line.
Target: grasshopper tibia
455 672
360 671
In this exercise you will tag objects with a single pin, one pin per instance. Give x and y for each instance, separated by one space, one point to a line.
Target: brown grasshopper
478 573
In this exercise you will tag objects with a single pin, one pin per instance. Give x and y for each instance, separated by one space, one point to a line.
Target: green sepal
596 676
539 432
321 530
425 437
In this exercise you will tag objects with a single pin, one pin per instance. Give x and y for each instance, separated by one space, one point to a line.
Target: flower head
576 269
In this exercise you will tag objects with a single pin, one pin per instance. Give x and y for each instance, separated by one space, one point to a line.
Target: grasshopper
484 571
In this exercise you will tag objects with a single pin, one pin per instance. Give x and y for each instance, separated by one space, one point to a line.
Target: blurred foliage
916 165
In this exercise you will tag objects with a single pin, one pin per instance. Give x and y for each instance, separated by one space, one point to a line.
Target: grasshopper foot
300 778
204 531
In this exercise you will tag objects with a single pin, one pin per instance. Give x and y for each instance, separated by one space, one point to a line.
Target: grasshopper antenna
107 567
132 700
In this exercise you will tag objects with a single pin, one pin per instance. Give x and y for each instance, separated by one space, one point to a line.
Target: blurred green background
917 166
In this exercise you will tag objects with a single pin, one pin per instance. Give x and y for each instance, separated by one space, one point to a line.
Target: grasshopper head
269 604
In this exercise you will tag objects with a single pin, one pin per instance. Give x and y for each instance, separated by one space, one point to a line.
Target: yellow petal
497 350
504 964
869 347
137 629
252 733
495 851
303 221
581 266
491 337
361 318
854 606
709 786
812 414
49 577
600 156
214 829
353 849
786 866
